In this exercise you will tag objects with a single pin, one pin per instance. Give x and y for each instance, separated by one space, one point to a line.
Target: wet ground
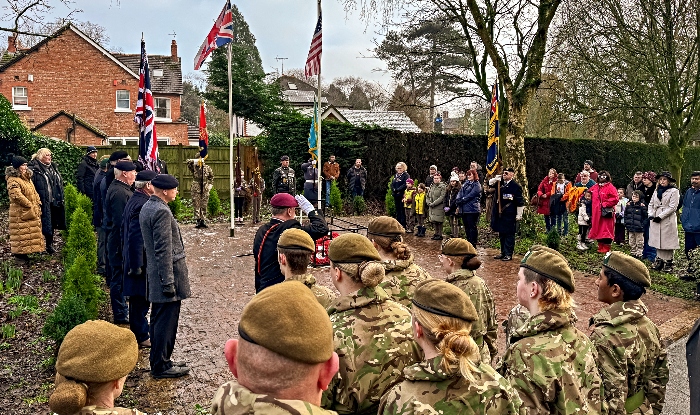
222 284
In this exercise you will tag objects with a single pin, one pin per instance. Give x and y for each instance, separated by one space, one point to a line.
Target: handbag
535 200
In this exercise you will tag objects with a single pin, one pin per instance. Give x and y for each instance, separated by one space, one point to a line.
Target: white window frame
162 141
117 108
20 107
168 107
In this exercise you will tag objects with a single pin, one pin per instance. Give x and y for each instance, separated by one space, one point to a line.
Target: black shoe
506 258
658 264
203 225
668 266
688 277
198 225
146 344
50 250
181 363
173 372
499 256
437 237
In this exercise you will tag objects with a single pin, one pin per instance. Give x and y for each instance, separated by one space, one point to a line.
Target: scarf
660 190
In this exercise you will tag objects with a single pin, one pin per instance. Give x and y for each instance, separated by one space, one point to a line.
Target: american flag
148 144
219 35
313 61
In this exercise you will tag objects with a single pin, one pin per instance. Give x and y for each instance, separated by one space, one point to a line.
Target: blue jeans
328 193
562 217
548 222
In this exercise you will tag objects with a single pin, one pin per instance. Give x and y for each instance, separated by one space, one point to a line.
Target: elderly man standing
168 280
588 167
507 212
134 262
118 195
86 172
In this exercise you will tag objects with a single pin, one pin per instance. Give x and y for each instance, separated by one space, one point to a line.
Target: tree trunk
515 145
676 153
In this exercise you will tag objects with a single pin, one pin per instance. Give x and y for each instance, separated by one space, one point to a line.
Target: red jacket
603 196
544 190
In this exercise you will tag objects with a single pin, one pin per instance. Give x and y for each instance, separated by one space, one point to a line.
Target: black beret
509 169
145 175
125 166
118 155
165 182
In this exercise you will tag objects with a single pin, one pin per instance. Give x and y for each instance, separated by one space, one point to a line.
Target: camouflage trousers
199 203
410 222
256 208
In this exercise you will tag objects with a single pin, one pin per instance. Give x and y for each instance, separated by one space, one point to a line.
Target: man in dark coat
310 180
690 219
134 264
692 356
114 158
162 166
115 201
507 211
86 172
267 269
283 180
97 216
166 270
357 179
49 185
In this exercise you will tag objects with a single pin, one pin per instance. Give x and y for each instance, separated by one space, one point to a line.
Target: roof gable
71 117
169 83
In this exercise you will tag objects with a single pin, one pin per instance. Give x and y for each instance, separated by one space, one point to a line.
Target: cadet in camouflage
550 363
371 334
517 317
402 274
202 183
451 380
631 358
459 259
96 410
285 347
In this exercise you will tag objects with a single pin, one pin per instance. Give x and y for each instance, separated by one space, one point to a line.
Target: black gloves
169 290
656 219
137 272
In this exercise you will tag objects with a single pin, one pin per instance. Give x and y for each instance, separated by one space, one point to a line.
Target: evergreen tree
81 282
81 240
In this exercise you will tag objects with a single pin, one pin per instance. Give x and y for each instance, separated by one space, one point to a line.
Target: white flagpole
319 162
232 180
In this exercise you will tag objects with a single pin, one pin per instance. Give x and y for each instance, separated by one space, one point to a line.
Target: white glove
494 180
519 214
304 204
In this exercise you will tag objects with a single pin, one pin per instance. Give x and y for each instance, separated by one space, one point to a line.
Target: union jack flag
313 61
219 35
148 144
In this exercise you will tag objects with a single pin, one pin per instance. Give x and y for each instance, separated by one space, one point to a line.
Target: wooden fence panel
176 156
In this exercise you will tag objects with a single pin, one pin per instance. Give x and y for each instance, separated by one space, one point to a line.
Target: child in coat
408 196
620 217
635 216
584 220
419 208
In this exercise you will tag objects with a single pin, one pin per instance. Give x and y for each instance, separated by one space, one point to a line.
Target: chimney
11 44
445 115
173 51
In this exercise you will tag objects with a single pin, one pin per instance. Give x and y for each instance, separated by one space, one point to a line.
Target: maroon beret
283 200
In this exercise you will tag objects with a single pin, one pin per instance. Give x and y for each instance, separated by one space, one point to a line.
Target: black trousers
164 321
470 221
138 309
507 243
400 212
238 206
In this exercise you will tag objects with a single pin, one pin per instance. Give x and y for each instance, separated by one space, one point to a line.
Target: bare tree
29 15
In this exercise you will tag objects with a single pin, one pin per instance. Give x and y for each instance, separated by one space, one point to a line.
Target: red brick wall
176 131
72 75
59 127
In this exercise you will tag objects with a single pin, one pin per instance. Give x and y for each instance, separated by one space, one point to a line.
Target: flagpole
232 228
319 162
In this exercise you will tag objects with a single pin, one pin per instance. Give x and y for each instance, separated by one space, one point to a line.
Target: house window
162 107
123 101
20 98
134 141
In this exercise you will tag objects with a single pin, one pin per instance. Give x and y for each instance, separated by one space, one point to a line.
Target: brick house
70 88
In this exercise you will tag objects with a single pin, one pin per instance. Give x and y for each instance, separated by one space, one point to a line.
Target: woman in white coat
663 226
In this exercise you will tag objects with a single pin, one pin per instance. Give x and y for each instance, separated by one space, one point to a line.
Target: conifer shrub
553 239
70 199
359 206
176 207
81 241
389 201
69 312
85 203
336 199
214 203
81 282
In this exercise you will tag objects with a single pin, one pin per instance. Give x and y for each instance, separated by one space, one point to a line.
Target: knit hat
283 200
118 155
385 226
631 268
125 166
90 149
296 239
550 264
409 181
444 299
457 247
352 248
18 161
649 175
288 320
434 167
104 162
165 182
454 177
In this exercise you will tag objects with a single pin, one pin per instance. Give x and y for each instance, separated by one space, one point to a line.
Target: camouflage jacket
233 398
552 365
400 279
197 179
324 295
95 410
631 357
517 317
372 336
427 389
485 330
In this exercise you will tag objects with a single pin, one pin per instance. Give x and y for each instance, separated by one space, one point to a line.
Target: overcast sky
283 28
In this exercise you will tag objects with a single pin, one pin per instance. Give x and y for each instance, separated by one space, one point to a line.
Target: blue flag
492 159
313 133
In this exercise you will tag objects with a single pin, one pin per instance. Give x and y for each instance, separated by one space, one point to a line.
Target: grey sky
282 28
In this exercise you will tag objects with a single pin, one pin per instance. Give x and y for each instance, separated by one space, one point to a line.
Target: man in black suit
507 211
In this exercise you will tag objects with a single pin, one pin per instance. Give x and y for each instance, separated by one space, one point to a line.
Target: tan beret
550 264
352 248
288 320
631 268
444 299
296 239
458 247
97 351
385 226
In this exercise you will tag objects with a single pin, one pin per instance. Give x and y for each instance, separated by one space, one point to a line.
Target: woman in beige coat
663 224
25 210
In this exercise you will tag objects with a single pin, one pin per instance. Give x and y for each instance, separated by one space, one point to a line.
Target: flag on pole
492 158
203 133
313 61
313 133
148 143
219 35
